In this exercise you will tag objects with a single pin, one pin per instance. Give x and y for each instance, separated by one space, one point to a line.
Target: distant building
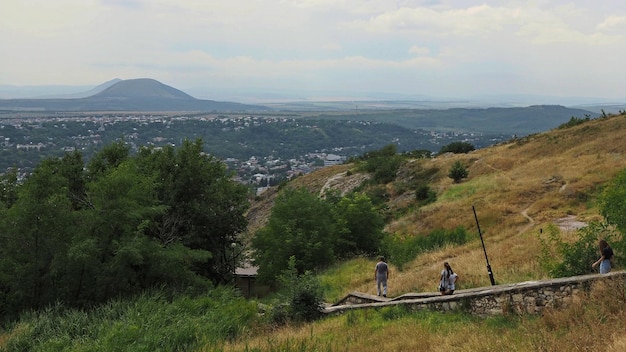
332 159
245 281
258 178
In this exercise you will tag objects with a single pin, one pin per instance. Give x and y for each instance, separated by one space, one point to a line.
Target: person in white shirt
447 280
451 283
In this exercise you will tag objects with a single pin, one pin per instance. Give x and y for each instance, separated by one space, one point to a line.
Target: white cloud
439 47
615 24
419 51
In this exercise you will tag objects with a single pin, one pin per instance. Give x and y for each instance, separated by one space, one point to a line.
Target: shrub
303 293
574 121
458 171
457 148
613 206
383 164
419 153
561 259
425 195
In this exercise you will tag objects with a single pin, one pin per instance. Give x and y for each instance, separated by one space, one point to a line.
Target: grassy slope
517 189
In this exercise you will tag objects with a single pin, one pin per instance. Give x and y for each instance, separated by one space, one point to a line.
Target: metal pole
493 282
234 247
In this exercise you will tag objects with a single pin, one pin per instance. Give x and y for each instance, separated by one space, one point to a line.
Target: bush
419 154
303 293
383 164
425 195
457 148
458 171
574 121
561 259
613 207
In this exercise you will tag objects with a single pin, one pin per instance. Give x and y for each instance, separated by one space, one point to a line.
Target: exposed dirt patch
344 183
569 223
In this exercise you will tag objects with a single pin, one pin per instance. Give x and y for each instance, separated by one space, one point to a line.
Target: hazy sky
322 48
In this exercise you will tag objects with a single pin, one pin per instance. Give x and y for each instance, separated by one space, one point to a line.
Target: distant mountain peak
142 94
142 88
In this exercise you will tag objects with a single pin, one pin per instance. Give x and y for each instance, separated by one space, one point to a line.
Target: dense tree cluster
383 163
225 137
457 148
81 234
314 232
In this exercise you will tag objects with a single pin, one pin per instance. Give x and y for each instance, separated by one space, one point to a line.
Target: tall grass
402 250
151 322
348 274
595 321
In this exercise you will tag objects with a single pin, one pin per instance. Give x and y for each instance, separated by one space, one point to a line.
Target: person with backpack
381 274
452 282
606 253
444 279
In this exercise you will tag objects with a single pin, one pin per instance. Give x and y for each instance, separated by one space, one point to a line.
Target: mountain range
142 94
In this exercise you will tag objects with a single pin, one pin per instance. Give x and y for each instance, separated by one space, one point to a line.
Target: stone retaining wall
525 297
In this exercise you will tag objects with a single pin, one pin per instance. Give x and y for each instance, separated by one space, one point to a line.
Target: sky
322 49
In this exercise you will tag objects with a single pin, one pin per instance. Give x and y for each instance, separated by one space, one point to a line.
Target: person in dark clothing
606 253
381 274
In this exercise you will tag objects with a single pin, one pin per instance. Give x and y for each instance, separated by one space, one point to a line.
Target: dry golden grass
517 188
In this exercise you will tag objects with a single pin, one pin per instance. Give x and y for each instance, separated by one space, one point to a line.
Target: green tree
359 226
108 158
300 225
384 152
457 148
8 187
458 171
71 167
36 229
123 202
205 206
303 293
419 153
613 201
125 224
383 163
613 207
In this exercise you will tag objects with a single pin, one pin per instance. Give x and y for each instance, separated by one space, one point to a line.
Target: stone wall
529 297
